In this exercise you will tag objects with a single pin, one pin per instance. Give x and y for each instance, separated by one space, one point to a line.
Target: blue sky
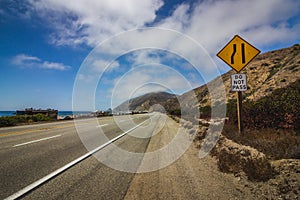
45 44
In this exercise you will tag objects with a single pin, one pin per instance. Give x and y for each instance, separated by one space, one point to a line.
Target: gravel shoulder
189 177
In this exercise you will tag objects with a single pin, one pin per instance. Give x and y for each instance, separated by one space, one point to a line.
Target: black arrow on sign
233 53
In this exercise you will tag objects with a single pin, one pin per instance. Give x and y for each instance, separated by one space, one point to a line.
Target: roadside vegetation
271 124
23 119
280 110
274 143
265 158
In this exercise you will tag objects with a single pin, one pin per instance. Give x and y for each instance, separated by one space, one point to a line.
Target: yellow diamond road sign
238 53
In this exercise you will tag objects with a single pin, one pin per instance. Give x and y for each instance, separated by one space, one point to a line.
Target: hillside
266 73
147 102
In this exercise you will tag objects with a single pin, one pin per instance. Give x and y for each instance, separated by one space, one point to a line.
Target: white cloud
213 23
86 78
89 22
209 22
265 35
53 65
27 61
145 79
100 65
144 57
22 59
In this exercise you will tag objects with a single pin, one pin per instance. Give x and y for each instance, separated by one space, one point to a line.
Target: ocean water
67 113
7 113
60 113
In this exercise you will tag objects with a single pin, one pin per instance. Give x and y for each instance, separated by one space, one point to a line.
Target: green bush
205 112
176 112
6 121
40 117
22 119
280 110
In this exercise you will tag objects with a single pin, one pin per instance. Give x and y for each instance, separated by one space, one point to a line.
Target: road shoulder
189 177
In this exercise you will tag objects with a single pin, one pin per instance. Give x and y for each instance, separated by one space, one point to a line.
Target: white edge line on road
102 125
67 166
34 141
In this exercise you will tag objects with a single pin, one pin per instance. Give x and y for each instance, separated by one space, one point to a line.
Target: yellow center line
42 129
39 129
18 132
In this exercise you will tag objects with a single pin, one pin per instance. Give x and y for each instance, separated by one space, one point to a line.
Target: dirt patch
252 175
236 158
189 177
265 178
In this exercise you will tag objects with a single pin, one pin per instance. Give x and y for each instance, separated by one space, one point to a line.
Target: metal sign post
237 54
239 84
239 111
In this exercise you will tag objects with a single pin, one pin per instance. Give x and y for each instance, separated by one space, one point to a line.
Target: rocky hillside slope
267 72
147 102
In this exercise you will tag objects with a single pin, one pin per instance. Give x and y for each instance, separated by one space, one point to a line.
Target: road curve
187 178
29 153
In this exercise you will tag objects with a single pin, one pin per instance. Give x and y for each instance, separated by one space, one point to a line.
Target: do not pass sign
238 82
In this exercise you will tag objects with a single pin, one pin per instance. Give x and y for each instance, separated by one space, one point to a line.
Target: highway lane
24 164
92 179
188 177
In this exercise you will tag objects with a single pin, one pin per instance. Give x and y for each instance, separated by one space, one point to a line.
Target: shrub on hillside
280 110
276 144
176 112
205 112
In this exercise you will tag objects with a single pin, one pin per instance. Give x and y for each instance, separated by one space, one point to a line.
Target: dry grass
276 144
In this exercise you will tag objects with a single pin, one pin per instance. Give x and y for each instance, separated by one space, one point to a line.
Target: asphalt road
28 153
